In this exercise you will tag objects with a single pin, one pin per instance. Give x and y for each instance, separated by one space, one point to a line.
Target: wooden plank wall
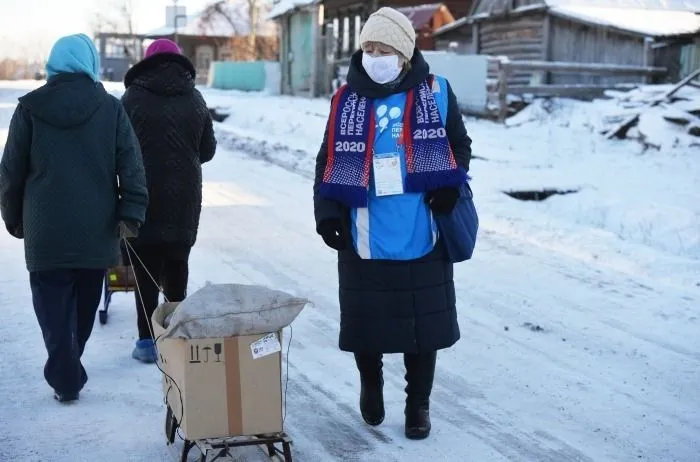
518 37
464 46
574 42
677 57
491 6
522 3
462 35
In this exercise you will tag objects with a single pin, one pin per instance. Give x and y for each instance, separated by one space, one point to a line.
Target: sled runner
117 279
220 448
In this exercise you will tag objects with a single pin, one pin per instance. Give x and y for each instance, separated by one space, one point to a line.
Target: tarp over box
221 387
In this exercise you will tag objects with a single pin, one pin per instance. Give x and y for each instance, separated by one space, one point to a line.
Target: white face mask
381 69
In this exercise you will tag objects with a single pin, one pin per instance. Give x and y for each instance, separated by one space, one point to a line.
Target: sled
117 279
213 449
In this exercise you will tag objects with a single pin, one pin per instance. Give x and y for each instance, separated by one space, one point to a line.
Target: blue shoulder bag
458 229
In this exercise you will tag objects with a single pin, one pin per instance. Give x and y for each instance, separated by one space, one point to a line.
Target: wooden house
302 53
118 52
663 33
316 36
456 36
426 19
220 32
343 19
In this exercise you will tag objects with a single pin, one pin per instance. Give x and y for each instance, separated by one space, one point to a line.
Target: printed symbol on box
194 354
265 346
206 350
217 352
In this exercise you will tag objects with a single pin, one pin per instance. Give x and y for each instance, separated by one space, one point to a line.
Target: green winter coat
71 169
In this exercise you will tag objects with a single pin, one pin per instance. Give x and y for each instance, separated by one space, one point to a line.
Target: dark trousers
168 265
65 303
420 372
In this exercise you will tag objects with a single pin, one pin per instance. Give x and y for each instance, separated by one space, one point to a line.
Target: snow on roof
287 6
220 19
654 23
483 8
679 5
420 15
452 26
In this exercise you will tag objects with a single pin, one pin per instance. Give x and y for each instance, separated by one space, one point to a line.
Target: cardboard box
225 386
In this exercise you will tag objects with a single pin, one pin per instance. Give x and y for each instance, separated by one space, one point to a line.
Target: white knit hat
390 27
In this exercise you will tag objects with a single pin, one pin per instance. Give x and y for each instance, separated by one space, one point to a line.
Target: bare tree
243 17
254 18
117 17
114 16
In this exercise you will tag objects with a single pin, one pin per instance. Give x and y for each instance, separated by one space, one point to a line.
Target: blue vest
396 227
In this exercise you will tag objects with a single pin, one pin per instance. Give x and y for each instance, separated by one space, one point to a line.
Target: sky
28 28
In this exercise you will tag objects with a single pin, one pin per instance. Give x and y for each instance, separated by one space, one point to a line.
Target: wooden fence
503 68
499 82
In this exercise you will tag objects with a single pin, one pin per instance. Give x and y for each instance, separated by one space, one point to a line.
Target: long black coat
175 130
394 306
70 170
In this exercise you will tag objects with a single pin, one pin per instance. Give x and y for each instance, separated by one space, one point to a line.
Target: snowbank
669 125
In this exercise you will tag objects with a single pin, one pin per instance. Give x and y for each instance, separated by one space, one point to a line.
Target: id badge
388 180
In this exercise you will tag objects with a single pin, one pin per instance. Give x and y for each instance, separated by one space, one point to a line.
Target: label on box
265 346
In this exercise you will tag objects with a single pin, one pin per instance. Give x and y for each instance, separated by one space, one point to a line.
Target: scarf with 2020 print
430 162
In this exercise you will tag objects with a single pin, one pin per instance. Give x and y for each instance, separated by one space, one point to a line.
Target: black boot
420 371
66 397
371 388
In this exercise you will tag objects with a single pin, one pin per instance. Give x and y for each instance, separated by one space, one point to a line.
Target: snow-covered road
563 357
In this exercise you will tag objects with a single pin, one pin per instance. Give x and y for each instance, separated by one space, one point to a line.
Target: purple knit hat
162 46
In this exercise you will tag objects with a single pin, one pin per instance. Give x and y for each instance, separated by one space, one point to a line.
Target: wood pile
650 113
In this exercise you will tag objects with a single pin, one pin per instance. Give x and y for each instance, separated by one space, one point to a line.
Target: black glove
128 229
442 201
16 231
333 233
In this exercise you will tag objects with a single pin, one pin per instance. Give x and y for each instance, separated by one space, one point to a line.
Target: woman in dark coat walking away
71 182
175 130
394 154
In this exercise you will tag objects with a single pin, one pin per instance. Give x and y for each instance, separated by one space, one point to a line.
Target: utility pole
176 17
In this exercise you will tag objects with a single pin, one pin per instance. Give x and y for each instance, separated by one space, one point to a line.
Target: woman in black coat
394 154
174 128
